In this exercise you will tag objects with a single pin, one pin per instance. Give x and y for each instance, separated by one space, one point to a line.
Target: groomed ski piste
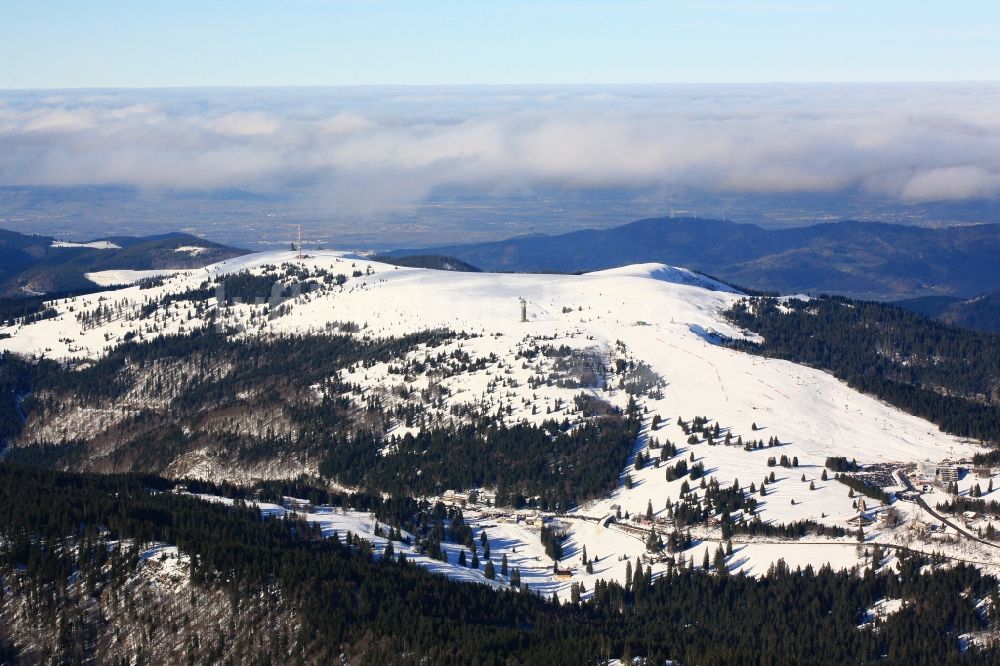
668 318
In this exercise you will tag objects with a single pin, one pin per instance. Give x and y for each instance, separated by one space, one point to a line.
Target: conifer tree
720 561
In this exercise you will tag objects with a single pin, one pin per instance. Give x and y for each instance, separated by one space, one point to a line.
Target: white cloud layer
362 148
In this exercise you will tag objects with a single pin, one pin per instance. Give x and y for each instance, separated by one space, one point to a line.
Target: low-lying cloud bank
362 148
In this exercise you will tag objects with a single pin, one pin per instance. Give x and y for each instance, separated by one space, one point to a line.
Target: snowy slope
660 317
667 317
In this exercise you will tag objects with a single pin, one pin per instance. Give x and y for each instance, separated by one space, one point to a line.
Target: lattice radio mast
297 243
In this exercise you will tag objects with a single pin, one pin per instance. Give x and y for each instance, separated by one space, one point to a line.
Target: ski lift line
778 391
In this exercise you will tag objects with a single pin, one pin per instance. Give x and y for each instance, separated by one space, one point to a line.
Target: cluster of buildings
944 472
484 505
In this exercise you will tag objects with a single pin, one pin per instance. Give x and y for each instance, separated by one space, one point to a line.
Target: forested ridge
58 527
433 261
875 260
947 375
36 264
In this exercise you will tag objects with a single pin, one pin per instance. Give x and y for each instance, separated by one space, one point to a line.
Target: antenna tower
297 243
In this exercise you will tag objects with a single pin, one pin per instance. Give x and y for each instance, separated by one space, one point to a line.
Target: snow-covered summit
664 319
672 274
664 316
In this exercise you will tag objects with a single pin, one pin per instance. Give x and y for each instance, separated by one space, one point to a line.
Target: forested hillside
251 402
75 548
981 313
243 399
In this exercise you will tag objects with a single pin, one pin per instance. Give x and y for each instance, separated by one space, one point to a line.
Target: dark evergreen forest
553 463
56 526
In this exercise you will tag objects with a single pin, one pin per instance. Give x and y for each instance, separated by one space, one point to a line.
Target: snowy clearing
124 276
193 250
93 245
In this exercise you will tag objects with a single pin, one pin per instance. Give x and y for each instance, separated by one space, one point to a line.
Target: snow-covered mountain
534 344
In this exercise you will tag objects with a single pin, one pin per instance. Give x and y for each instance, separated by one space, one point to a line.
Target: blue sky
126 43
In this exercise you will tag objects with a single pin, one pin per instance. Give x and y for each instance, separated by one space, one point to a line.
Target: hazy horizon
413 163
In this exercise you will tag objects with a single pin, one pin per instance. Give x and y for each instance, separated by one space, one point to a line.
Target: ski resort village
568 428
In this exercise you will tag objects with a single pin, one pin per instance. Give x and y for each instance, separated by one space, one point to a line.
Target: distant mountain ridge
35 265
861 259
432 261
981 313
